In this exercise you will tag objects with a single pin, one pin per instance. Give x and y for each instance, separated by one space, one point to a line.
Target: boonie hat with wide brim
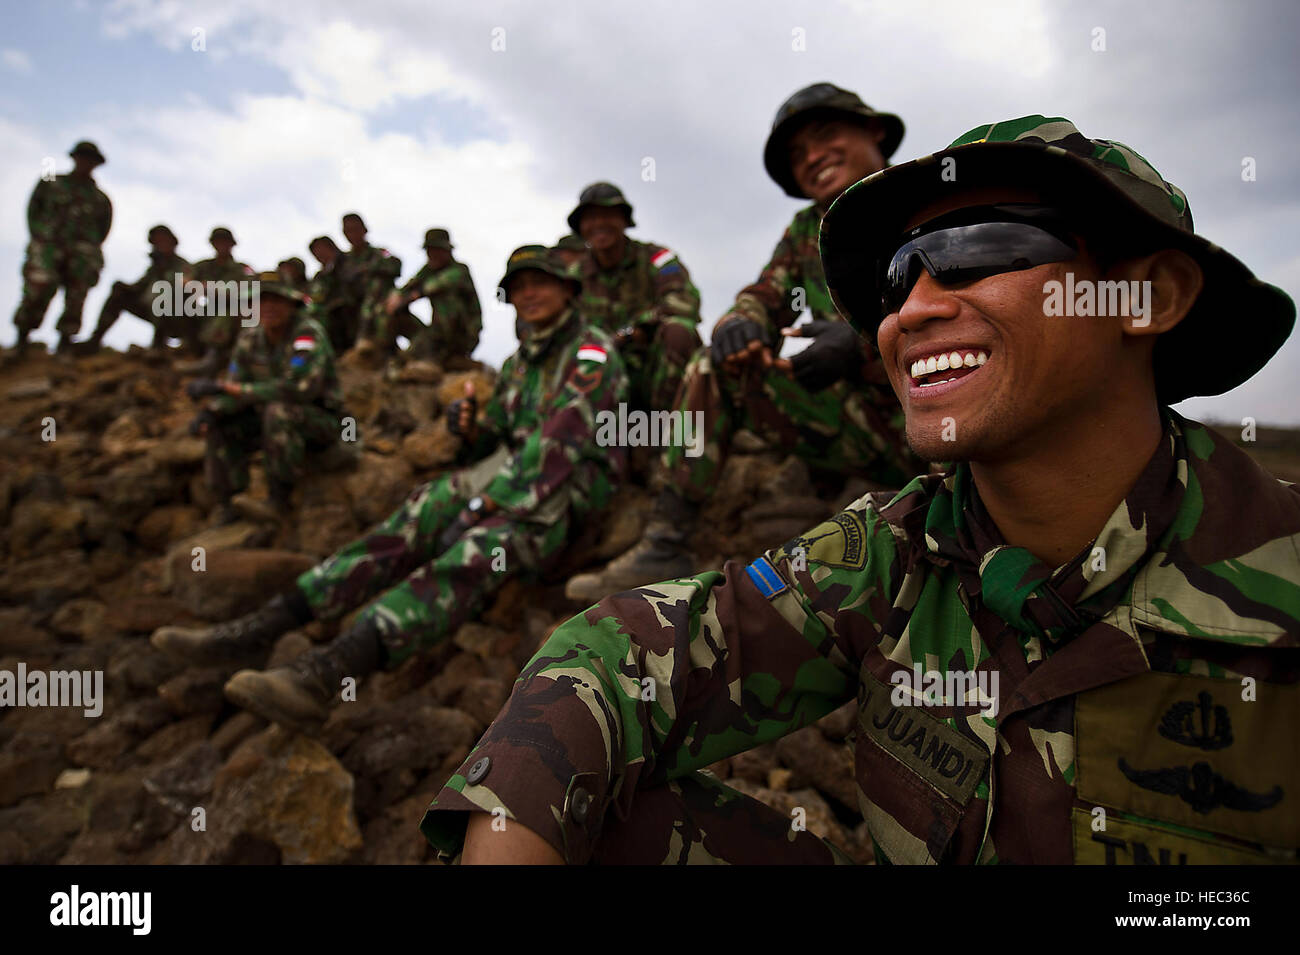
1236 324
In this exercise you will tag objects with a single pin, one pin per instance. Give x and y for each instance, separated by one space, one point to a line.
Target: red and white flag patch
304 343
592 353
663 258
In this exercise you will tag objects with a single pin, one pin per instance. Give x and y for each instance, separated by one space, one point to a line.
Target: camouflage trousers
377 325
697 820
843 429
418 595
655 369
283 430
441 341
49 268
123 299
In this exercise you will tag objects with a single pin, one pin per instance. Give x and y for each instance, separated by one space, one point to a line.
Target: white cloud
16 60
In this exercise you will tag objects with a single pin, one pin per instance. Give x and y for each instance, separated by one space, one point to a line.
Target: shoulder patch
839 542
304 343
592 353
765 578
662 258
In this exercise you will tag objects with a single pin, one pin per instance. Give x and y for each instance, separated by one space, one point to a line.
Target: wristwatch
475 505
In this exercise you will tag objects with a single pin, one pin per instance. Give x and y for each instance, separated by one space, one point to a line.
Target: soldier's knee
279 414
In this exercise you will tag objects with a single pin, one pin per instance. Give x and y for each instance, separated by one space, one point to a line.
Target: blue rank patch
670 268
297 361
233 368
765 578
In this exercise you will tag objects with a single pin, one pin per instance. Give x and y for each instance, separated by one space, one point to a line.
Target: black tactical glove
203 417
835 353
734 337
203 388
453 413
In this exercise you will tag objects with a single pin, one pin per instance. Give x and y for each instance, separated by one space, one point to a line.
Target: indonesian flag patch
592 353
304 343
663 258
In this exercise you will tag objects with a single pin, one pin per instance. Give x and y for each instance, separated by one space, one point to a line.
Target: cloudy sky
489 117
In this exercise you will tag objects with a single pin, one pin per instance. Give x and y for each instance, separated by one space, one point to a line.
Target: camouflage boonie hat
293 262
600 194
571 243
538 258
1113 191
89 149
221 232
270 283
437 239
161 229
820 99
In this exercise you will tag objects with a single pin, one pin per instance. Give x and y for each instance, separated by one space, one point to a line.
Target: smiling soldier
1129 575
830 404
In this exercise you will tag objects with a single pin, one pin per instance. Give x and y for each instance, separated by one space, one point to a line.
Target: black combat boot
298 695
660 554
235 640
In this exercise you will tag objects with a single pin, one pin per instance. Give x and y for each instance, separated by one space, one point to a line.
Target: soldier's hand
631 335
835 354
462 414
203 388
739 342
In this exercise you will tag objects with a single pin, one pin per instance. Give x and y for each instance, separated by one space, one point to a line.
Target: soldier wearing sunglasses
1077 644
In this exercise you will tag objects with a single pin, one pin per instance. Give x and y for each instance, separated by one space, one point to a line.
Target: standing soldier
141 299
282 395
369 272
434 562
831 403
457 317
1076 644
331 302
68 218
218 331
640 293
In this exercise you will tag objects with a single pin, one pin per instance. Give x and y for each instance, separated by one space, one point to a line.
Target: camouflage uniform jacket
215 270
796 266
300 369
368 273
71 214
161 269
457 315
1162 727
650 285
546 408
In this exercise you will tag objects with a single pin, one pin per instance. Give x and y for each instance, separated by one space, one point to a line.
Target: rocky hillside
102 507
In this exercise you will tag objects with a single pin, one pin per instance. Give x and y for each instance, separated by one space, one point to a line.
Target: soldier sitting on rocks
540 474
139 297
281 394
830 404
332 303
219 331
1077 644
452 335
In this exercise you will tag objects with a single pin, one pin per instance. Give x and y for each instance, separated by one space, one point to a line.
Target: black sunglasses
973 244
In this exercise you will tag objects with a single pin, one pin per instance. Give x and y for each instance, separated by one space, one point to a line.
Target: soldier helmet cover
600 194
820 100
88 149
540 259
